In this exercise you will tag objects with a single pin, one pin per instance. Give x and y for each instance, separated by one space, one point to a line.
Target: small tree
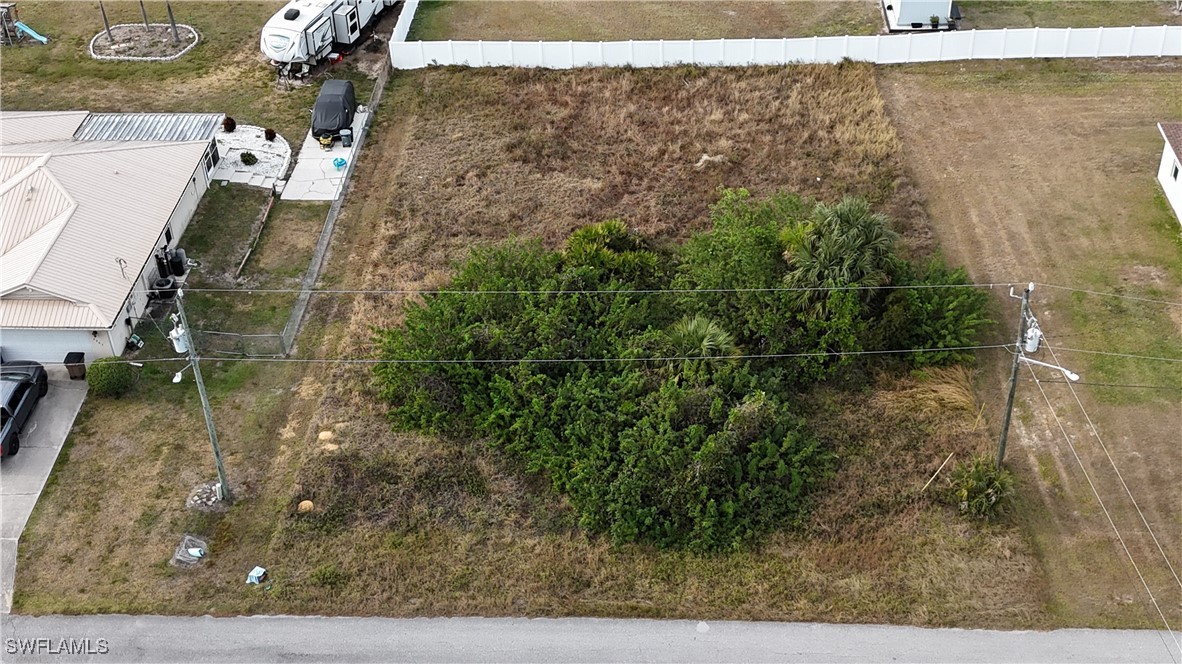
981 489
110 377
229 125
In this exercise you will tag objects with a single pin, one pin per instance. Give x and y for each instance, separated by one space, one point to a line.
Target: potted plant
935 22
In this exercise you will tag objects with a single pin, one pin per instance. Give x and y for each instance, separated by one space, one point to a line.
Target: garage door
51 346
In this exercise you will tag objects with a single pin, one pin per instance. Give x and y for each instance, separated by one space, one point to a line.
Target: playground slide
31 32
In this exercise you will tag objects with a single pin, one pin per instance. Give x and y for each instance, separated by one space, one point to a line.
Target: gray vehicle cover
334 108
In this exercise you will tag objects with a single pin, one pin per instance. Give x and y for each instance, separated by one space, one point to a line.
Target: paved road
295 639
23 476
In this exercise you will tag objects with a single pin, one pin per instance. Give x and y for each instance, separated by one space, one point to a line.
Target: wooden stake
106 24
144 12
925 487
175 37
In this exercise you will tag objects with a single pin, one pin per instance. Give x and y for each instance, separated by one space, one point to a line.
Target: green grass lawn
985 14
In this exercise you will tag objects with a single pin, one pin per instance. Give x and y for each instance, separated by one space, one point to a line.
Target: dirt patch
1144 275
137 41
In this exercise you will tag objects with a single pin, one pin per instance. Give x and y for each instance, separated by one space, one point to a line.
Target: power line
1143 387
1107 515
1118 295
622 291
1119 476
572 360
1125 355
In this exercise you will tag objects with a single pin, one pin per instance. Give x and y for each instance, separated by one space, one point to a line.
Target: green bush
558 365
945 313
979 488
248 158
110 377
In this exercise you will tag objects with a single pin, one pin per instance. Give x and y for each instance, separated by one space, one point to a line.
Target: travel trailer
304 32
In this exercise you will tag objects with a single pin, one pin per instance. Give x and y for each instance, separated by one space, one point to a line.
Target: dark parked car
334 109
18 398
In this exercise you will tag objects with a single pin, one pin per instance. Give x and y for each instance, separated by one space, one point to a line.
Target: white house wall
921 11
1172 187
51 346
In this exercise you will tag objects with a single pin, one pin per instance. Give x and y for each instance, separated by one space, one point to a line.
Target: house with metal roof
1169 172
88 201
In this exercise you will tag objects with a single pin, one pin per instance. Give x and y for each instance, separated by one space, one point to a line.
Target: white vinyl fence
1154 41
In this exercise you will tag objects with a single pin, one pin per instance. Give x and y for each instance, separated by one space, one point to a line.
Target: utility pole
1005 425
172 21
144 12
182 333
106 24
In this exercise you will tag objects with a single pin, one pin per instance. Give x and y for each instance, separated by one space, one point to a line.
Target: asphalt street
315 639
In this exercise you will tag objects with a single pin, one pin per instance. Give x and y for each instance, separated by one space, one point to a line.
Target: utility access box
346 25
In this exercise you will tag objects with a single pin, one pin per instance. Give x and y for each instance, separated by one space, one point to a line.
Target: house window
1174 173
168 234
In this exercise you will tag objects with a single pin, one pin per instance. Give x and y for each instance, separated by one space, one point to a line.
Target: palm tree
841 245
695 338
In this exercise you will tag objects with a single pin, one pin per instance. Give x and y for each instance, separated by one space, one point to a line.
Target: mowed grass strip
608 21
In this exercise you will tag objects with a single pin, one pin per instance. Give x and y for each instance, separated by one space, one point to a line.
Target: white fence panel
708 52
678 52
881 49
1050 43
1083 43
862 48
405 17
1114 41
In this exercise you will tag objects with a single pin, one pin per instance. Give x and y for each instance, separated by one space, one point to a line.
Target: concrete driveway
315 177
23 476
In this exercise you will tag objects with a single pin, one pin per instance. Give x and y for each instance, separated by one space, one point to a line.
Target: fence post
1165 32
451 51
752 60
601 62
480 51
1005 40
1129 48
1099 40
570 48
973 44
721 51
1067 42
422 54
814 48
512 58
631 52
784 50
877 49
940 46
910 36
1034 46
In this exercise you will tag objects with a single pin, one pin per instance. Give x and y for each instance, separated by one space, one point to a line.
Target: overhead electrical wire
1108 516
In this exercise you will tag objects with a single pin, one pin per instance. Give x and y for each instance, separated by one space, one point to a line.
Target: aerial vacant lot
437 526
985 14
605 20
1046 172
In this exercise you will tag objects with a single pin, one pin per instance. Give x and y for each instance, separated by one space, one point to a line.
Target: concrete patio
314 177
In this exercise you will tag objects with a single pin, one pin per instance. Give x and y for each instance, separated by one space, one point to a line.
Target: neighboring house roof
1172 132
80 221
34 126
149 127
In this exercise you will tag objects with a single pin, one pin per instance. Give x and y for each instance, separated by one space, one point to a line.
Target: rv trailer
304 32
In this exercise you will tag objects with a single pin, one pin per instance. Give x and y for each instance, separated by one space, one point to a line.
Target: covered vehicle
334 110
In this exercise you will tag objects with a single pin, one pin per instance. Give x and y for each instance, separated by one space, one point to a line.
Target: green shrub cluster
979 488
666 416
110 377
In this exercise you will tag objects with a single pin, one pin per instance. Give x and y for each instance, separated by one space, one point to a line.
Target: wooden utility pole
223 489
1005 425
106 24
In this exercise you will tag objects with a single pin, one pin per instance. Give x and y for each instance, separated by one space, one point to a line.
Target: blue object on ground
31 32
339 162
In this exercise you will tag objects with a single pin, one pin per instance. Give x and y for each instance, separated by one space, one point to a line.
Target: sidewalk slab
314 177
